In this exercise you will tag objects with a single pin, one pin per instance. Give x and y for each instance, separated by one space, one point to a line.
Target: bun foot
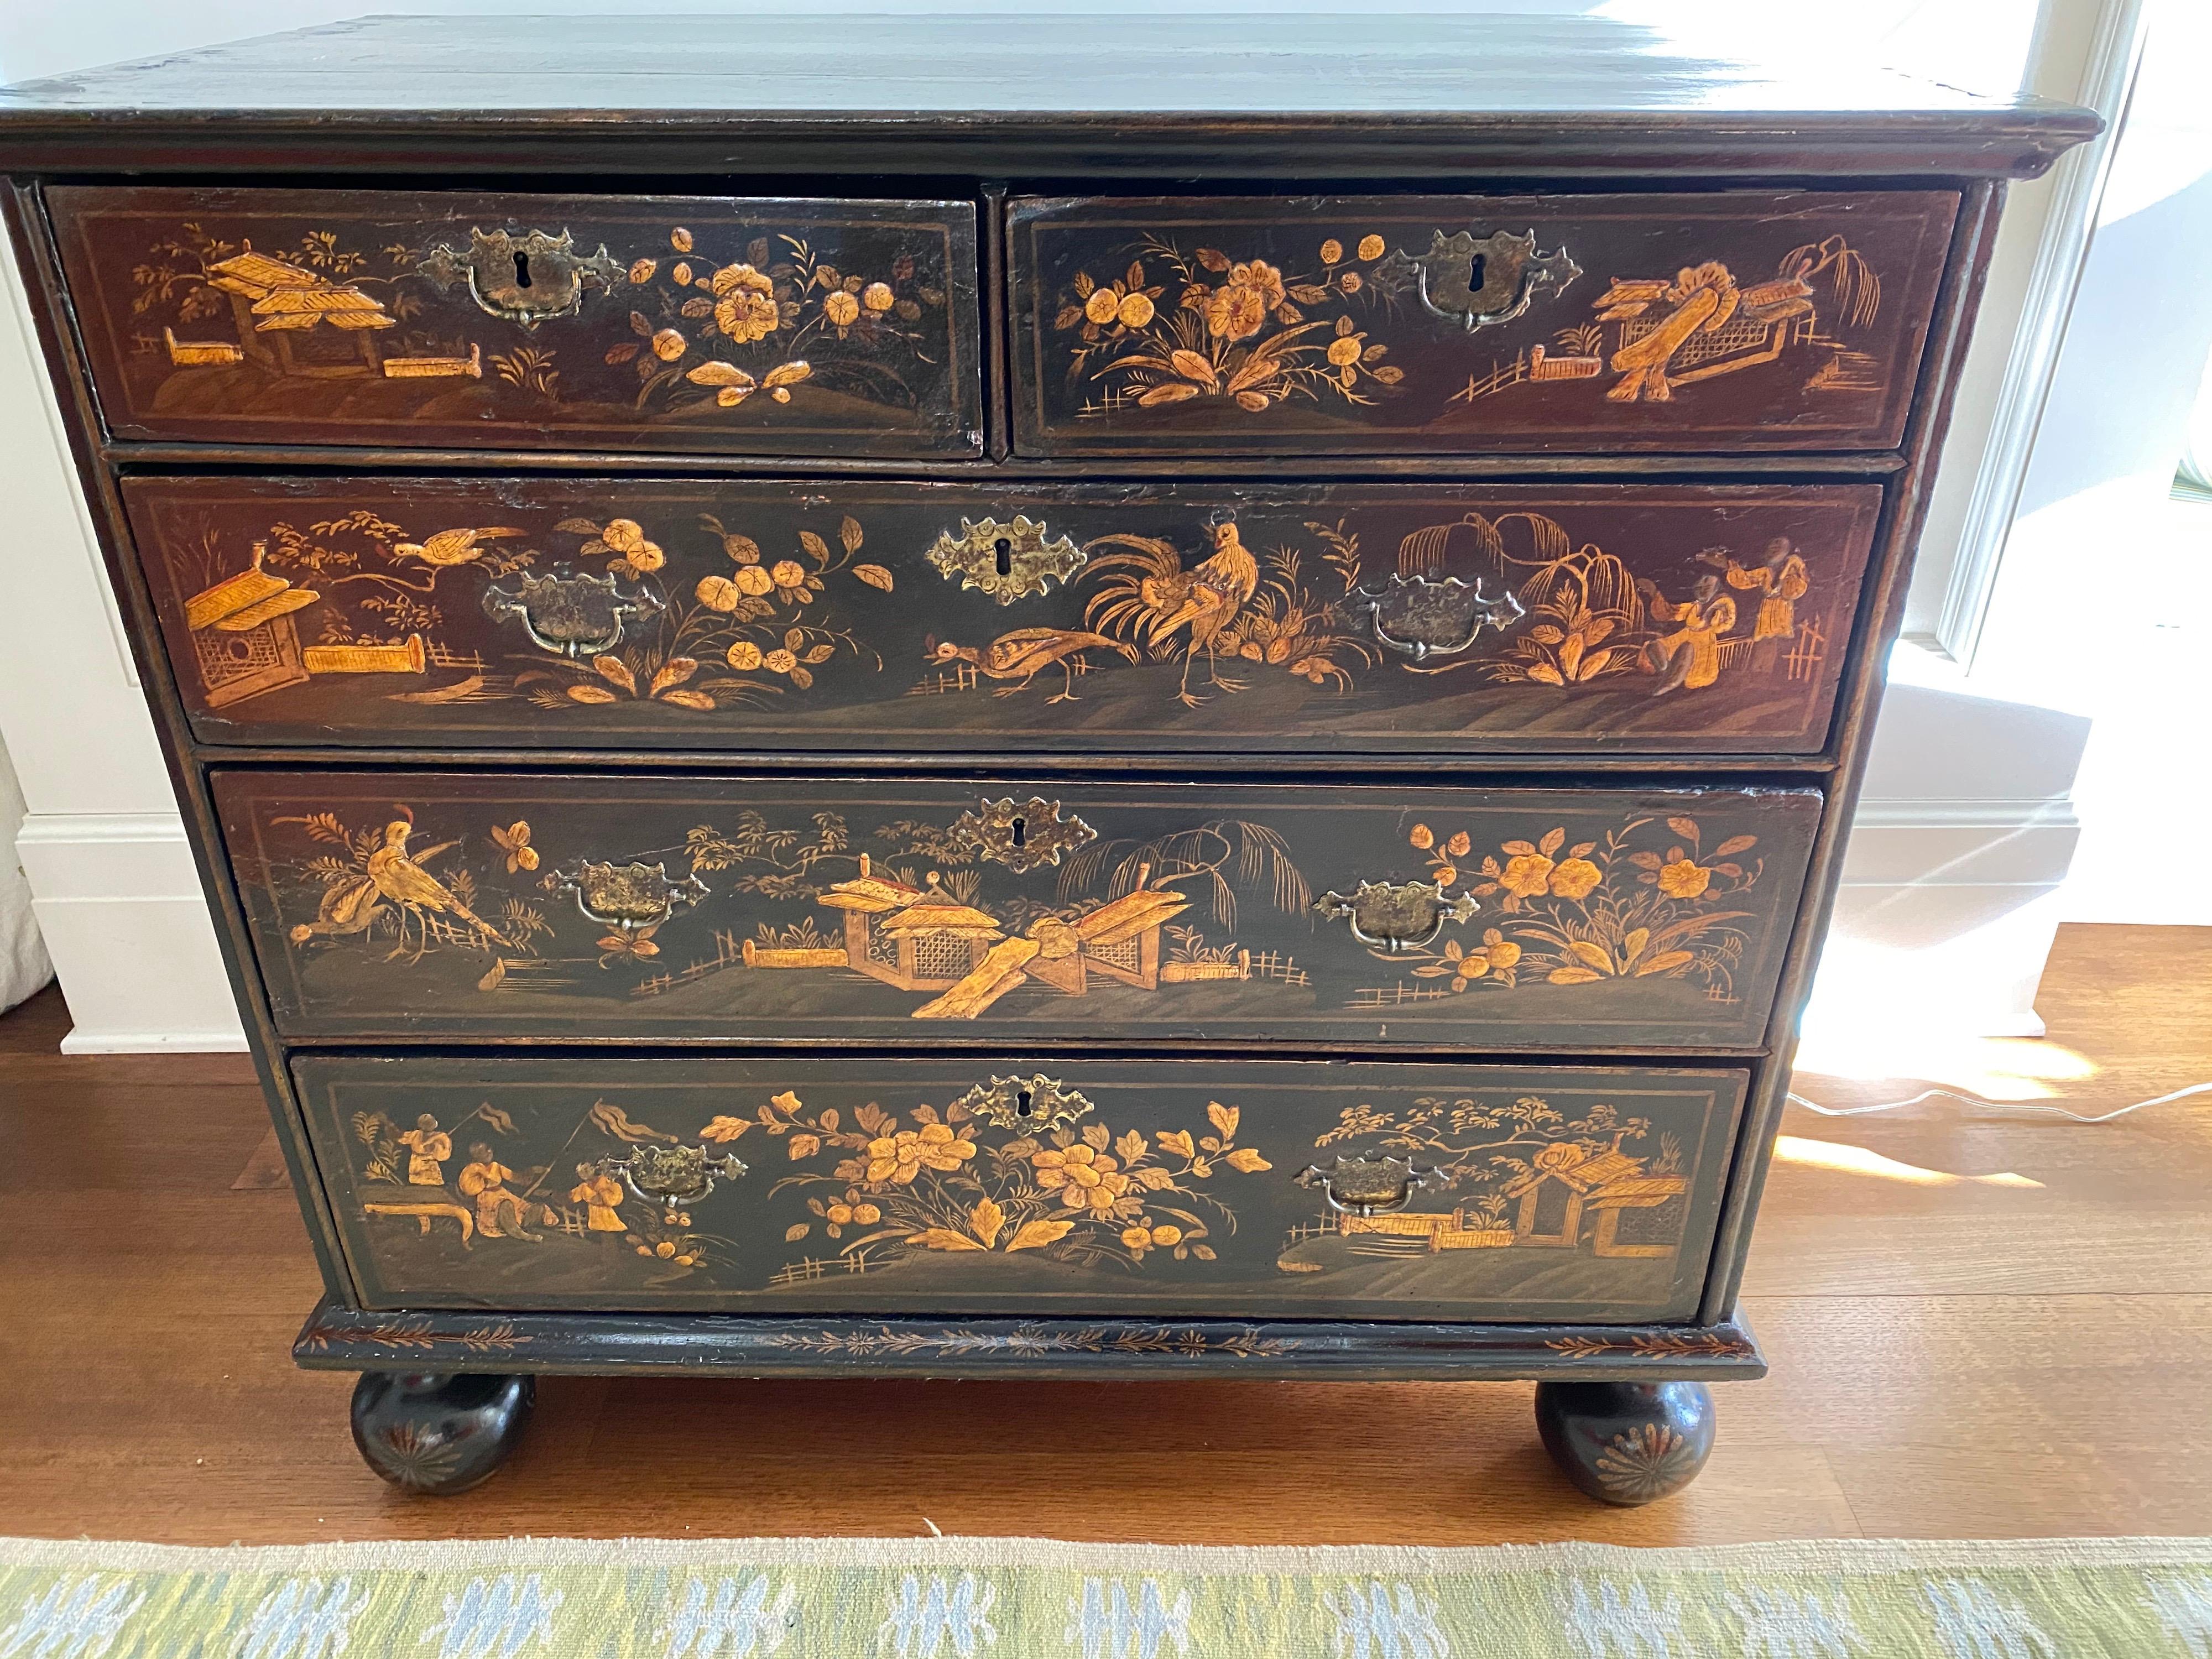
438 1433
1628 1443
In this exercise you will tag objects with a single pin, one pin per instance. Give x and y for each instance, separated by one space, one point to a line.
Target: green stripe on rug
961 1598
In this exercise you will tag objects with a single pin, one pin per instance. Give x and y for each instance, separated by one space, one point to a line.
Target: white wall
103 845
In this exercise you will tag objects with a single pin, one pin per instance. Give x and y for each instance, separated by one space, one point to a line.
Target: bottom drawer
1165 1189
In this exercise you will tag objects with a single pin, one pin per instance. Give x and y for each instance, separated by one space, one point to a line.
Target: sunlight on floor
1997 1068
1857 1160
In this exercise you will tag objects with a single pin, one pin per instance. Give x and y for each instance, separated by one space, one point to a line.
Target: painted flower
787 573
1135 310
1238 309
1137 1238
625 536
1103 306
900 1157
1503 955
1349 281
744 303
1085 1178
1370 248
877 296
754 580
1167 1235
1331 252
744 656
669 344
717 593
1526 874
781 661
1684 879
1344 351
1574 878
866 1214
840 307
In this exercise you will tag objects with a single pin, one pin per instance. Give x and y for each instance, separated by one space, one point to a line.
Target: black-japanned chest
1055 732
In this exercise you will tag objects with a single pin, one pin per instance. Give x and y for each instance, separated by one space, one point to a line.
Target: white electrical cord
1996 1105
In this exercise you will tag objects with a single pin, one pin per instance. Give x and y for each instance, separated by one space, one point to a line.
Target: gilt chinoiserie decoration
475 321
431 905
1348 619
1177 1187
1740 320
941 697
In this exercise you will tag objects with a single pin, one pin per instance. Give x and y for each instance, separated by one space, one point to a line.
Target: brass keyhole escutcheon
523 277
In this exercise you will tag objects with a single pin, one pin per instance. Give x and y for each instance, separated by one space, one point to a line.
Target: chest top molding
1253 95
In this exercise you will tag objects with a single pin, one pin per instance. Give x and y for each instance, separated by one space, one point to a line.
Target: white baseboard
128 928
1945 919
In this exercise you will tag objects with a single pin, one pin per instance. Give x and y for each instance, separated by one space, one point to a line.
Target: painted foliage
1743 319
691 323
1348 618
798 1184
556 905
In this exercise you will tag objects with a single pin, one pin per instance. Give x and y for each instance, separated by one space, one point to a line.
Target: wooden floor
1981 1325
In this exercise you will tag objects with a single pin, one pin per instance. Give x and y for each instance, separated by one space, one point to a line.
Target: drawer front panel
626 614
1165 1188
623 908
722 326
1725 321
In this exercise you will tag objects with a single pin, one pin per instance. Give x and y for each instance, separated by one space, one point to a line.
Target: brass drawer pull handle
674 1177
1368 1185
628 896
1420 617
519 278
1397 916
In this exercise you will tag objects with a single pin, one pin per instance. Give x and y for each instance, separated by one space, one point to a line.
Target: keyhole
522 270
1022 1108
1474 272
1006 551
1021 832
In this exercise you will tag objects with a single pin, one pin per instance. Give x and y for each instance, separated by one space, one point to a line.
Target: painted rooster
1019 655
1149 594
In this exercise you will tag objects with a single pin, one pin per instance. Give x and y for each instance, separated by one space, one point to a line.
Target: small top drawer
678 324
1723 321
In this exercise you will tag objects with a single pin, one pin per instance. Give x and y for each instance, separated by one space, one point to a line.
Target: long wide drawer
738 910
1350 619
1171 1189
723 324
1724 321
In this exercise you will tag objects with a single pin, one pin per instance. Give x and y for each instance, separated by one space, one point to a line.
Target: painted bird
451 547
1156 595
1018 656
403 880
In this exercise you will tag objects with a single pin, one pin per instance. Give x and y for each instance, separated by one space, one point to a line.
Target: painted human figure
427 1148
485 1179
1689 656
599 1194
1780 581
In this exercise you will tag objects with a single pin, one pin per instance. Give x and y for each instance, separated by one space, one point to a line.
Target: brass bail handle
1371 1186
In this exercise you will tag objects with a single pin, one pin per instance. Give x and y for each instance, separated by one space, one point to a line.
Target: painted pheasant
1155 596
404 881
1019 655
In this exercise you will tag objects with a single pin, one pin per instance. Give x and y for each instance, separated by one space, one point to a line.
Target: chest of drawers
964 702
